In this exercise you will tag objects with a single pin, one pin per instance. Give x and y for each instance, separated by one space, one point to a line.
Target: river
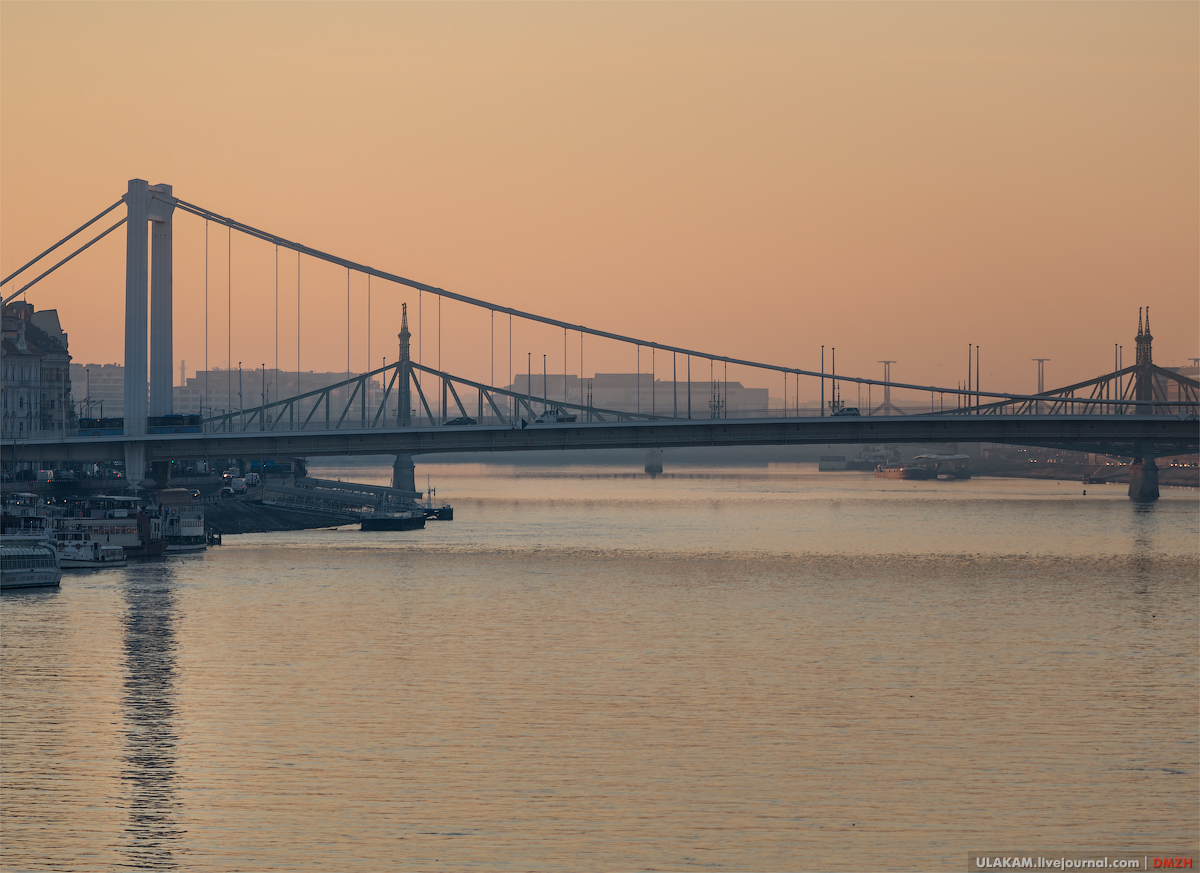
719 669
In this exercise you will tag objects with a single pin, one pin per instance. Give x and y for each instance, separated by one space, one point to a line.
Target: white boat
183 527
92 555
28 562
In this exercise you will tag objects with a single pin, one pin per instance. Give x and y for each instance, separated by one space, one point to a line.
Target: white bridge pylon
147 265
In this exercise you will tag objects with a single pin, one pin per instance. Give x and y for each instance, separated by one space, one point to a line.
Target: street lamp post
1041 362
887 387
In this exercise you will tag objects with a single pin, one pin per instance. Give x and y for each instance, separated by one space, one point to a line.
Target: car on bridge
847 410
461 421
555 415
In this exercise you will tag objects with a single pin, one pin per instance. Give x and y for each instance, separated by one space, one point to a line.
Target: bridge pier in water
1143 479
404 473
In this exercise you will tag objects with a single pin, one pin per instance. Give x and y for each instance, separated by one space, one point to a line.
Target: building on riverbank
35 363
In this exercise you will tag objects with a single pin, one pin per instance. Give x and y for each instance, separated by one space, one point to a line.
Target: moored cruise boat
21 516
92 555
903 471
108 520
28 562
946 466
120 521
183 527
927 467
413 519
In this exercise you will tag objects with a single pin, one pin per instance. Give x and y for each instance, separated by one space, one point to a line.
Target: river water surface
721 669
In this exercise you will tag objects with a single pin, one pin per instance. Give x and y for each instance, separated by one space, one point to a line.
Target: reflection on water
148 704
790 672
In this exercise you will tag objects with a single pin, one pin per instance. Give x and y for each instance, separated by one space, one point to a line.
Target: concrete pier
161 471
1143 479
404 473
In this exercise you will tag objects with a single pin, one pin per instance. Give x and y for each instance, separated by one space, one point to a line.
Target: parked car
848 410
462 421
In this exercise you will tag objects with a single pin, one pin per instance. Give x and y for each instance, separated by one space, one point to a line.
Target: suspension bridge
409 408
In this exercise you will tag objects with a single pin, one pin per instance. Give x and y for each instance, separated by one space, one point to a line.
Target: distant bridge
1141 411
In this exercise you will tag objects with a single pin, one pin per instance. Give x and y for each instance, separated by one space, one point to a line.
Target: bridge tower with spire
404 474
1143 472
1144 384
404 407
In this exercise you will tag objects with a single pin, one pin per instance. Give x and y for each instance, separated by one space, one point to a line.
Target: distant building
35 365
631 392
1173 390
98 390
216 392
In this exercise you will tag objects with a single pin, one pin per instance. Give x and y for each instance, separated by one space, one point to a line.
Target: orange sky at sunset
752 179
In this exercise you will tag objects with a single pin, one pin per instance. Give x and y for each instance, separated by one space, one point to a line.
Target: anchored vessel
183 528
88 556
411 519
78 523
926 467
28 562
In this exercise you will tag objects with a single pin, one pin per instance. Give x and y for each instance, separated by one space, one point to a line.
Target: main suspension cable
79 250
73 233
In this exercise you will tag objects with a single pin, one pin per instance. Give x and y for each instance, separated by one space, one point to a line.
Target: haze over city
753 180
590 565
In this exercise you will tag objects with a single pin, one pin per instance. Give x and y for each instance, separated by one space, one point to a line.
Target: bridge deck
1118 434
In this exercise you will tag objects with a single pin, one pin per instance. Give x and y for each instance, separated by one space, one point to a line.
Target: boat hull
392 523
155 549
39 578
177 548
905 472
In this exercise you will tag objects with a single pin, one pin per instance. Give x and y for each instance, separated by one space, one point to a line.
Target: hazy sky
753 179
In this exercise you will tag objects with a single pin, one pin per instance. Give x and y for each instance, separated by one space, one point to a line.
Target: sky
747 179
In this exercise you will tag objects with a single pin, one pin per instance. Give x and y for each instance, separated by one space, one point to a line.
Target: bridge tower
137 206
404 410
1144 384
147 269
403 471
1143 472
162 280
